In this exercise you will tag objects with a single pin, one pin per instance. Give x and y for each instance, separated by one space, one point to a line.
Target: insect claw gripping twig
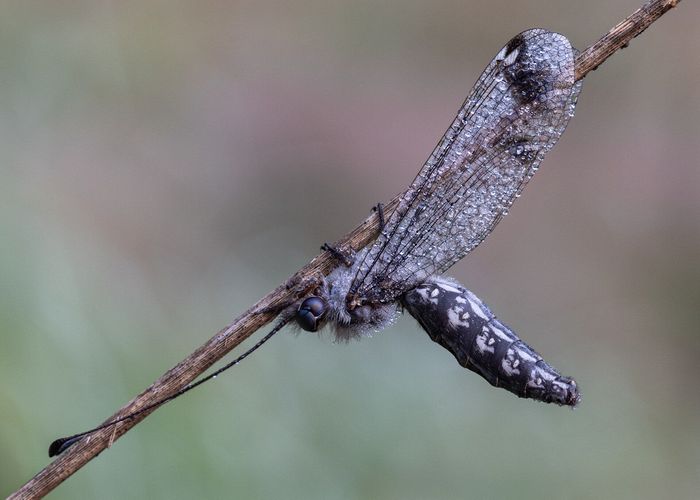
348 257
338 254
379 209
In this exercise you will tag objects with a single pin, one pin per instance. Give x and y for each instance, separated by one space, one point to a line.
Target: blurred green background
165 164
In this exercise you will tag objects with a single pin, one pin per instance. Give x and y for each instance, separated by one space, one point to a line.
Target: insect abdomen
459 321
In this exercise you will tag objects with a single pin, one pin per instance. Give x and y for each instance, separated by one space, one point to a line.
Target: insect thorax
353 320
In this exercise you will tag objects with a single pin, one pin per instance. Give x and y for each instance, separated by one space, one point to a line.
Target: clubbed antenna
62 444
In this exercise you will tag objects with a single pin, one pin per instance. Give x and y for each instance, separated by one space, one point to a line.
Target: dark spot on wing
527 84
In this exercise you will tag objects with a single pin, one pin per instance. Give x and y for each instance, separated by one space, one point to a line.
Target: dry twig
246 324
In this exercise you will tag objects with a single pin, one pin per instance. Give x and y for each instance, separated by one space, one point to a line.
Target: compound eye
310 313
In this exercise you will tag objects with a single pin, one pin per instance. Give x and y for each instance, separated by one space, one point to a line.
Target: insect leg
348 259
379 209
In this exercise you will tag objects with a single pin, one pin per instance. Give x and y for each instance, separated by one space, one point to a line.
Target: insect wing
515 113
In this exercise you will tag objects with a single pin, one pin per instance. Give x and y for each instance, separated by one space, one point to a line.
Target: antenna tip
61 445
